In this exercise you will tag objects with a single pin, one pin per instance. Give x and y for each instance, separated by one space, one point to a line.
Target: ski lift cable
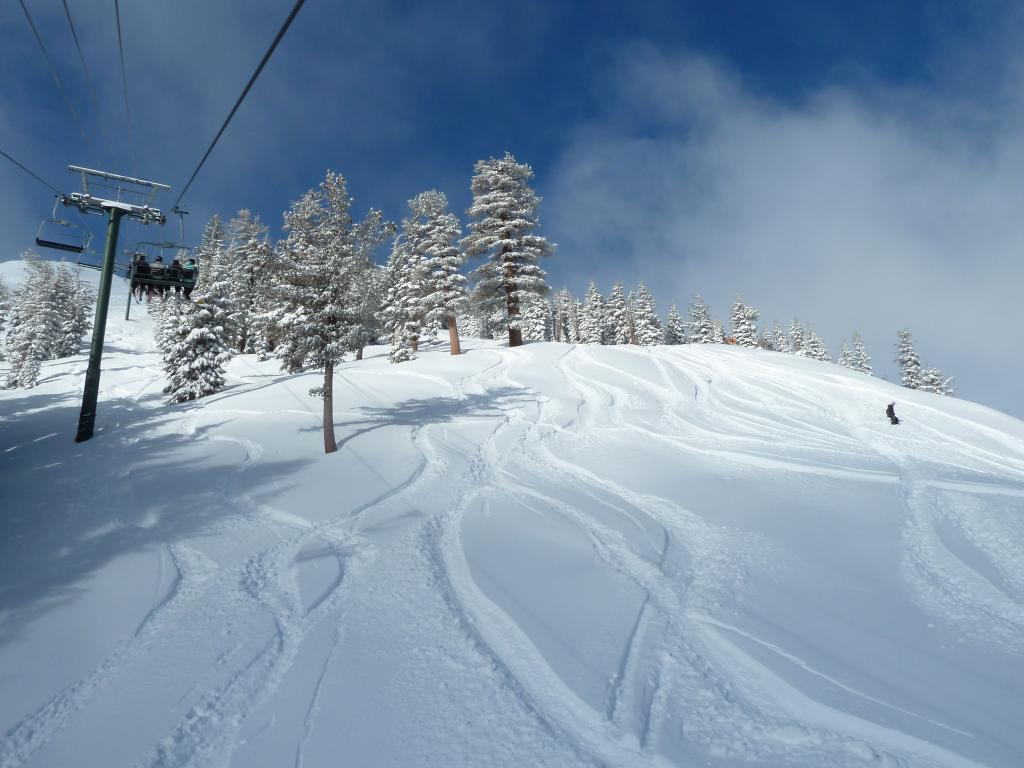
124 79
93 97
30 173
266 57
53 71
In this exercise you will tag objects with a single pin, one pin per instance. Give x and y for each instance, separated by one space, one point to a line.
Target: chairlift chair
62 235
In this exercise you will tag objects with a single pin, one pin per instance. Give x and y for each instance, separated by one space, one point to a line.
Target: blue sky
851 164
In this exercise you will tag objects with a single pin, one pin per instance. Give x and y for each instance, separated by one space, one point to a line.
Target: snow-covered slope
551 555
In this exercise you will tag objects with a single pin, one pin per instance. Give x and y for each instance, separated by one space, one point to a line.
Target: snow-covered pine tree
859 358
845 356
814 347
718 332
575 315
934 380
316 288
73 300
369 281
433 232
646 325
780 341
537 319
503 220
210 248
742 327
702 327
5 311
562 309
617 324
908 361
34 334
796 335
218 283
766 340
195 353
592 316
404 311
245 272
675 331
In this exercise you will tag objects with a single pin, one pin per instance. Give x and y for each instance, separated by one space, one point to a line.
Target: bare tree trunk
359 354
415 344
330 445
515 334
453 335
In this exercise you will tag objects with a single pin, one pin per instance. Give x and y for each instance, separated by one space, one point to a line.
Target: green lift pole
87 417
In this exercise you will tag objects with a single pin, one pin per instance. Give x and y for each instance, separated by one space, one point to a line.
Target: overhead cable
245 91
53 71
33 175
81 57
124 74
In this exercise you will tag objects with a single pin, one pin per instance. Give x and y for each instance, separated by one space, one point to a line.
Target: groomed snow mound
551 555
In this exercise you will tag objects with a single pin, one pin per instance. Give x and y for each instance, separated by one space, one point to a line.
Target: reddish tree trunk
453 335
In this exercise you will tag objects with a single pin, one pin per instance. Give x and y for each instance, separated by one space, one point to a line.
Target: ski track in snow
679 674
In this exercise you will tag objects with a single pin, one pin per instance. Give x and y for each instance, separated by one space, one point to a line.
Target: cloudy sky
856 165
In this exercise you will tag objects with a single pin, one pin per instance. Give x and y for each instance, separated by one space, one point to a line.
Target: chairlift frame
81 233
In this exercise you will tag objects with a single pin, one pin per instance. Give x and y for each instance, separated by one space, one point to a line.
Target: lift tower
113 196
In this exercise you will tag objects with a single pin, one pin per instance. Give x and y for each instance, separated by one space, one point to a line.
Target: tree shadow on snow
495 403
67 509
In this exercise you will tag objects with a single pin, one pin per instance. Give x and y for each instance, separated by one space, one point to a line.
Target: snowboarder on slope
890 411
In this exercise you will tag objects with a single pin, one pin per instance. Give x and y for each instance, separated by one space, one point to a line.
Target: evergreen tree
317 314
504 218
845 356
933 380
575 315
194 352
592 320
5 311
780 341
74 302
742 329
646 325
244 273
617 314
563 305
34 334
702 327
718 332
404 310
675 331
210 247
537 319
814 347
859 358
796 335
432 233
908 361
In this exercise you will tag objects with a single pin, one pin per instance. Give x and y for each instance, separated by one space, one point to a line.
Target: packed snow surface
550 555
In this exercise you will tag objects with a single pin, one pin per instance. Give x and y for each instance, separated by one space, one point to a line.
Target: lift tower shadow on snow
121 196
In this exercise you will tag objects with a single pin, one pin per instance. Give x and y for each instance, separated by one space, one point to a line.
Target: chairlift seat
69 247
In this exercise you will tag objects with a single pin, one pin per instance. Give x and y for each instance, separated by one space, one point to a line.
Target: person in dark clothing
140 274
174 273
890 411
159 272
189 273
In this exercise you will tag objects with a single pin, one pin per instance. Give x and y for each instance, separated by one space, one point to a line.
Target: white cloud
864 209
